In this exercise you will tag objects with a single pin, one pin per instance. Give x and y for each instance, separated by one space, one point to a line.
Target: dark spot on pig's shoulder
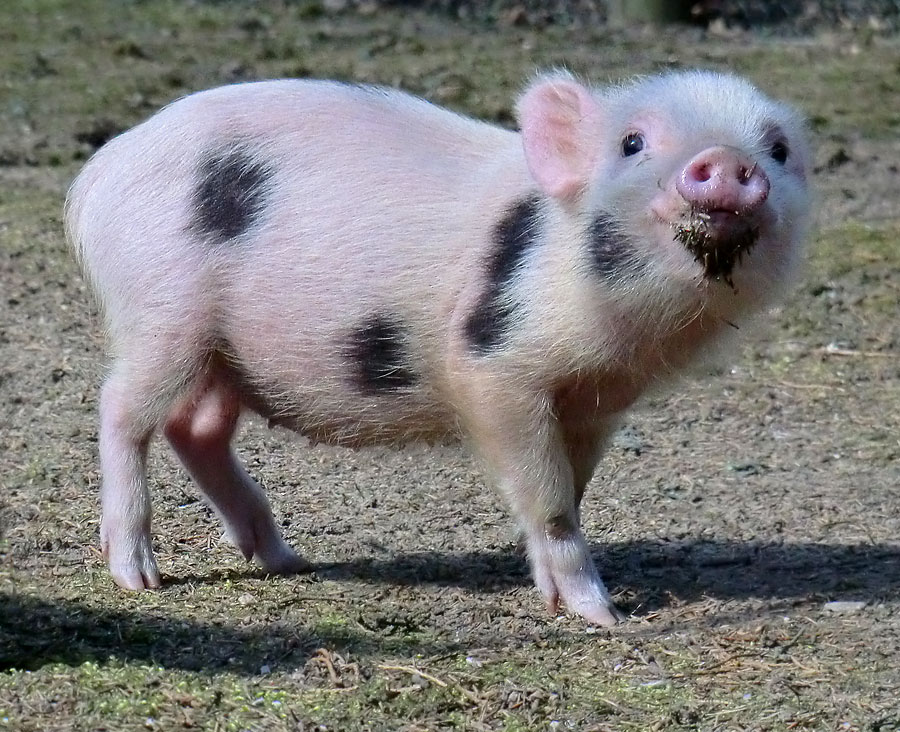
231 193
512 238
611 252
378 350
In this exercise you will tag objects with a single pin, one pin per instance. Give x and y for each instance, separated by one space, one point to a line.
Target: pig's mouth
718 240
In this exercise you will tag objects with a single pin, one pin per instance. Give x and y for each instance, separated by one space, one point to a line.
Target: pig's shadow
36 632
650 573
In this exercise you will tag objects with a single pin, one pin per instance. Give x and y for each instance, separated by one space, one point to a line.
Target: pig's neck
643 360
605 342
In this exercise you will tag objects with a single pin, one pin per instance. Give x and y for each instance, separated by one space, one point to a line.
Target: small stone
844 607
246 599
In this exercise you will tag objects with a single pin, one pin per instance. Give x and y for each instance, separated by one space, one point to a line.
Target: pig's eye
632 144
779 152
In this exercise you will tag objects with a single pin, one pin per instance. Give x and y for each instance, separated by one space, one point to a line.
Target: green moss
120 695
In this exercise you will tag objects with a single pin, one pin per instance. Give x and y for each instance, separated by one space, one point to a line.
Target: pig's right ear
559 118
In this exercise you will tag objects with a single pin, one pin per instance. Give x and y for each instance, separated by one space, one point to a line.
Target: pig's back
303 131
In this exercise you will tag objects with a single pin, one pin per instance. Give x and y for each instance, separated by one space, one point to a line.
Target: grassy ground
726 517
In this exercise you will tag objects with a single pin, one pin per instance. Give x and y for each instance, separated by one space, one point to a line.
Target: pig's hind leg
141 386
125 524
200 429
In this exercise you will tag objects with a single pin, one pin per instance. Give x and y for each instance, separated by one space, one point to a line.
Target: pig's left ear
558 116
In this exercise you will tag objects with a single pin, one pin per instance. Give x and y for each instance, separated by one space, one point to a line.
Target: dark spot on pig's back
513 236
378 352
612 254
232 189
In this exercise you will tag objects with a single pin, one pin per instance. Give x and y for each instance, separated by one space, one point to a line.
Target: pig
361 266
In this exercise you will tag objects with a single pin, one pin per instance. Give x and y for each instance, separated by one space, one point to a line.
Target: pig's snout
725 190
723 179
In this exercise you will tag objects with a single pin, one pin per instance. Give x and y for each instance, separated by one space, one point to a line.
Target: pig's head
691 185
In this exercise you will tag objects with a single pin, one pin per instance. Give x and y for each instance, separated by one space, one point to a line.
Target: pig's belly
355 427
325 405
349 432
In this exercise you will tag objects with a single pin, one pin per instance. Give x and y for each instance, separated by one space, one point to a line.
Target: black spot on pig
612 254
231 193
379 353
513 236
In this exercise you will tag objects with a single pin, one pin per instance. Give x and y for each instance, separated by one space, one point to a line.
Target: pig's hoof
136 575
584 595
596 607
135 567
263 544
601 613
604 614
282 559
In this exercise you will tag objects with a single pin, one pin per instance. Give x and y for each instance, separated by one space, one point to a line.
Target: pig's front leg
585 442
525 449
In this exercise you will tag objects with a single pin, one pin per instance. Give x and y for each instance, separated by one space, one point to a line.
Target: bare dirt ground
729 517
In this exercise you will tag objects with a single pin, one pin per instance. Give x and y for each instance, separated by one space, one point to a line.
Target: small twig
469 695
850 352
716 667
794 385
604 700
325 657
411 670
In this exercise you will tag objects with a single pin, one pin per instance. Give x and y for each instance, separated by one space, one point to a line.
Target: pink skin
725 185
723 179
125 526
199 429
721 182
378 203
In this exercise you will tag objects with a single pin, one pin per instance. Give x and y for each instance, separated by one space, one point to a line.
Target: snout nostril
701 173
